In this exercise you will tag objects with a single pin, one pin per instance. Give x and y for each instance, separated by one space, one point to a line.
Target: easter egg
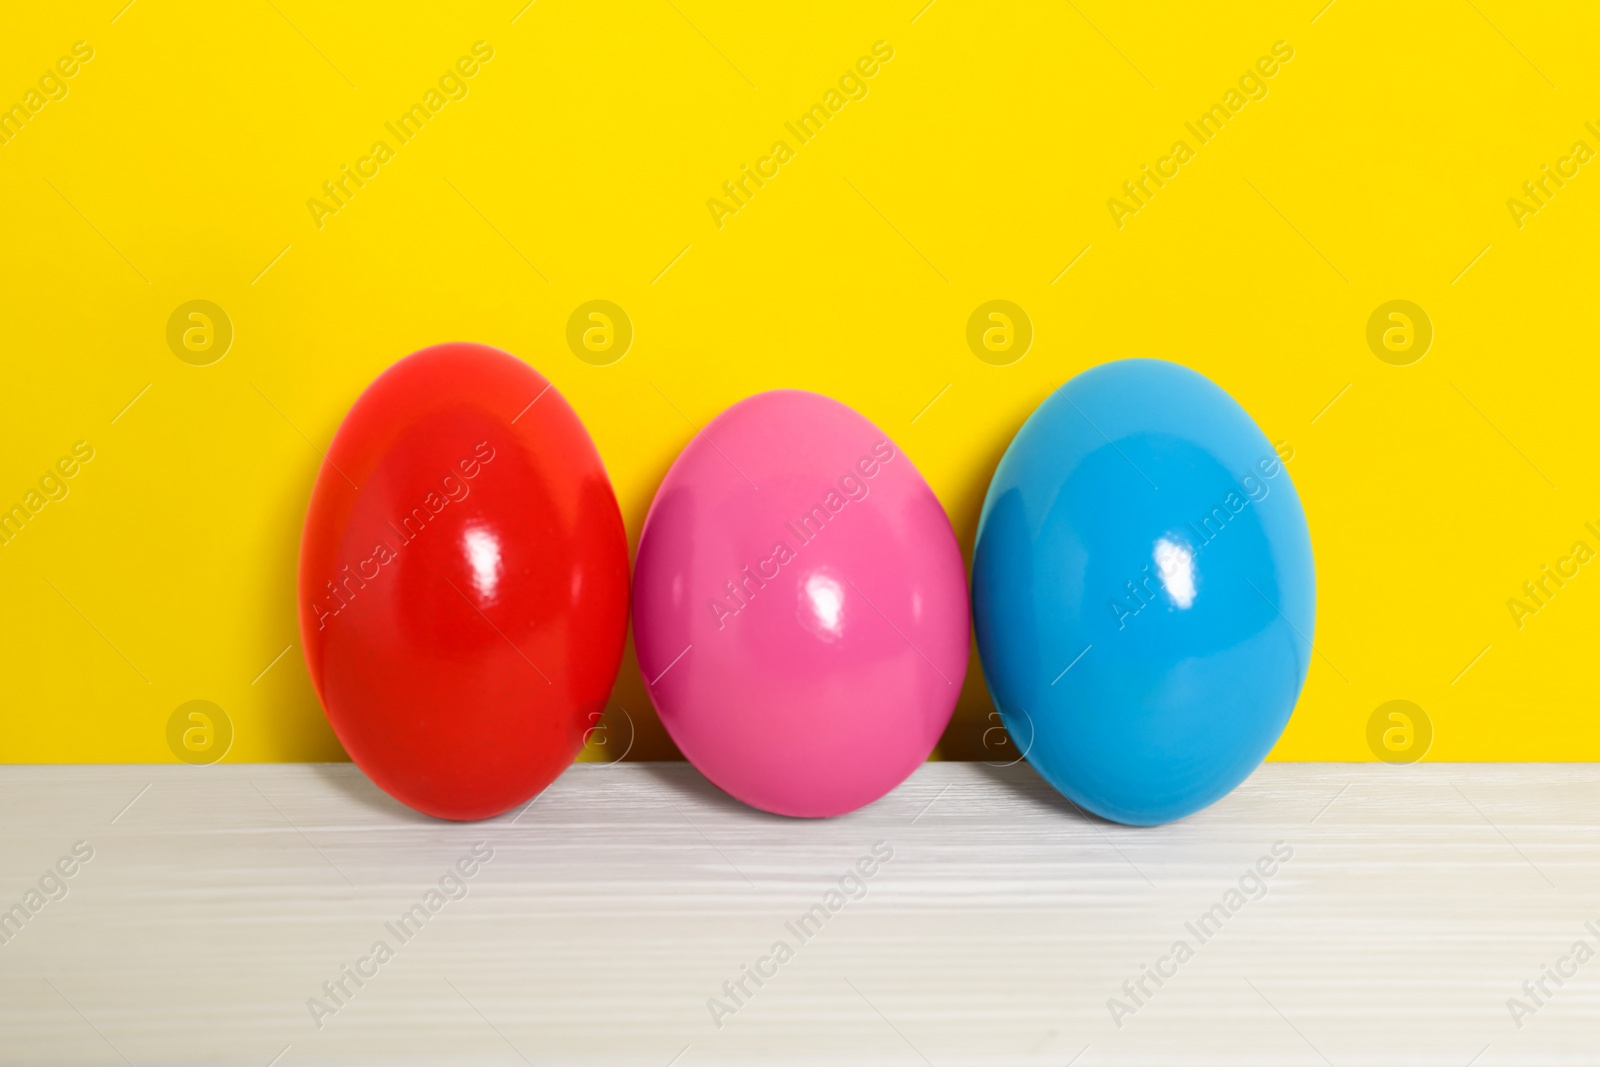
800 606
1143 591
463 582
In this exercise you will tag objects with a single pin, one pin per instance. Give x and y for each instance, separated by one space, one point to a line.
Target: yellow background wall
979 166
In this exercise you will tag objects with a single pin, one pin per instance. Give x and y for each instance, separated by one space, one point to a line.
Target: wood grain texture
1417 900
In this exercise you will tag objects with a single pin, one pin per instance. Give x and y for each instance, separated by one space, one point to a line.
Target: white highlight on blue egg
1175 562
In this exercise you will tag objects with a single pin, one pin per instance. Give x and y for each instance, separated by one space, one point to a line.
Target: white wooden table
219 900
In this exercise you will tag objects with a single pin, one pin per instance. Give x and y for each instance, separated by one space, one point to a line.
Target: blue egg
1143 591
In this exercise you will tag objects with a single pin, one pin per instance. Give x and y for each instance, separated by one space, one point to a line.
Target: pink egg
800 606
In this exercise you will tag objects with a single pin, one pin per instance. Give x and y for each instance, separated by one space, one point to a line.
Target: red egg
463 582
